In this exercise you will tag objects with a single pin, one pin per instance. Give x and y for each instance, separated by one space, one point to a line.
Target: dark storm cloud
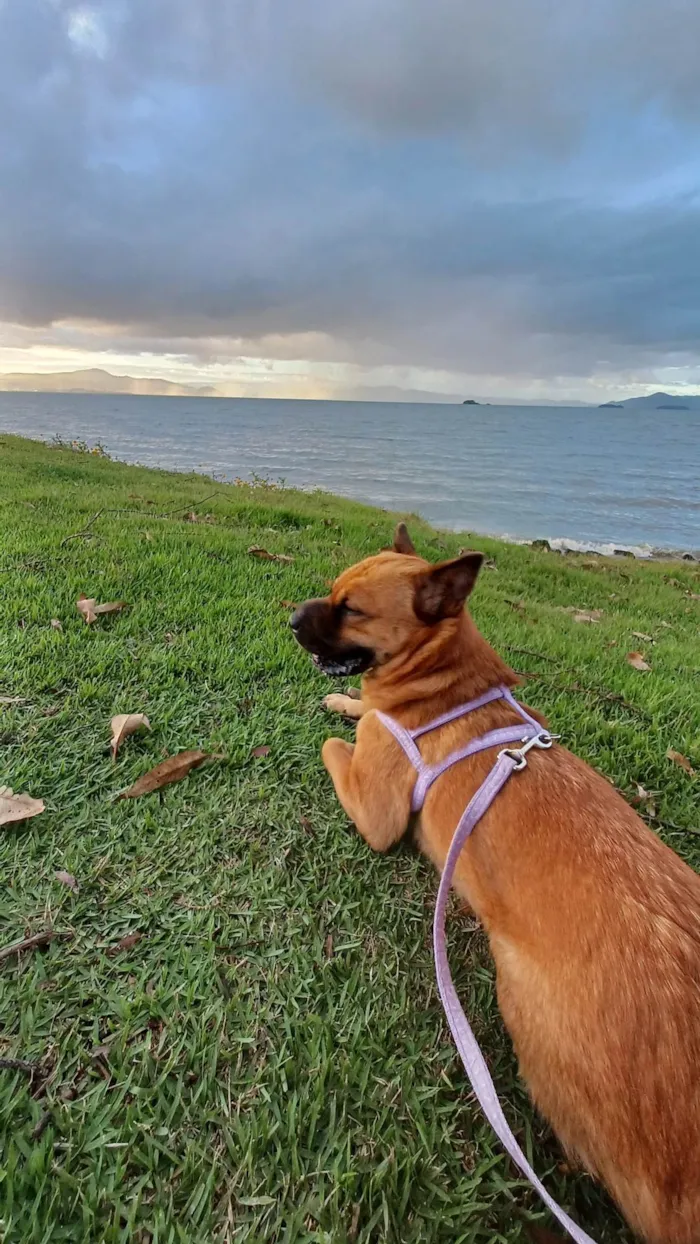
485 186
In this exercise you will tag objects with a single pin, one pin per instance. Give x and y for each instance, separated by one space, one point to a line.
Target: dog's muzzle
313 625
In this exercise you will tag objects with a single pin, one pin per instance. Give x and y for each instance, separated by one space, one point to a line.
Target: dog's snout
304 620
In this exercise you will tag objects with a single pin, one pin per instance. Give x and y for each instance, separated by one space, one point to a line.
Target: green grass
278 1068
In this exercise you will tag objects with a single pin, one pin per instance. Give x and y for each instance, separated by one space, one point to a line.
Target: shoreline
566 546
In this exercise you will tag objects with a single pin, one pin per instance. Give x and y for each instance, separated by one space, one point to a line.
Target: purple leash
509 760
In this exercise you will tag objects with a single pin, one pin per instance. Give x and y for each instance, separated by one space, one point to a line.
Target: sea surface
587 478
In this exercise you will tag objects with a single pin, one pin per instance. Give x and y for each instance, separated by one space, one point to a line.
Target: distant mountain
657 401
95 380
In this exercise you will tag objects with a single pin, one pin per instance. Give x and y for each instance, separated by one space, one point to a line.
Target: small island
611 406
469 401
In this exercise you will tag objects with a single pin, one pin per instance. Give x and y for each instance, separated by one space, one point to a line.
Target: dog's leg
345 704
372 804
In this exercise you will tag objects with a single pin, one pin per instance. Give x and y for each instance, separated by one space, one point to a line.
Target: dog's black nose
295 620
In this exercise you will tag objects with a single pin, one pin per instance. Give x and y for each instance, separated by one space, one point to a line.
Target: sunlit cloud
438 197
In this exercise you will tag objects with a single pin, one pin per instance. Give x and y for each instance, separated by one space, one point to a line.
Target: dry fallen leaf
12 699
86 606
255 551
646 797
583 615
328 946
126 943
56 625
147 536
636 660
90 609
67 879
193 517
678 759
123 725
17 807
264 750
645 638
111 606
174 769
693 595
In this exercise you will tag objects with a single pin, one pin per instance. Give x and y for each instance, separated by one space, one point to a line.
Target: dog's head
383 607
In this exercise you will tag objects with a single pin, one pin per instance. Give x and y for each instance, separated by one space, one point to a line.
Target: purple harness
509 760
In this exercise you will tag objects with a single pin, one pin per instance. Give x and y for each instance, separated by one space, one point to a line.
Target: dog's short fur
593 923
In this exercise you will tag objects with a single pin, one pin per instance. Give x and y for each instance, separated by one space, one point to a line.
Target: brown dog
594 924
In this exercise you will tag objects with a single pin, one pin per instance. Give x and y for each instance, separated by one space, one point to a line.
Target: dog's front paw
344 704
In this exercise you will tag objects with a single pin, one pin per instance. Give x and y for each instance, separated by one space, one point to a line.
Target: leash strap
467 1044
508 762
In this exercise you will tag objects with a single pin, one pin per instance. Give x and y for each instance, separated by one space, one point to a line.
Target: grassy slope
278 1067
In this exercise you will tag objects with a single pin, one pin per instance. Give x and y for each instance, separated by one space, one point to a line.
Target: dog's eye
345 610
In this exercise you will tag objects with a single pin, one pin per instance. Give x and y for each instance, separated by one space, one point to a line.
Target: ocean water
584 477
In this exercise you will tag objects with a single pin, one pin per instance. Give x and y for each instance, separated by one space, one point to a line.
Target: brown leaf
17 807
264 750
67 879
328 946
287 604
126 943
112 606
86 606
90 609
123 725
678 759
306 824
636 660
12 699
645 638
255 551
56 625
174 769
693 595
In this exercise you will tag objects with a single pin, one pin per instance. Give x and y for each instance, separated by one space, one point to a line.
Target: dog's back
595 929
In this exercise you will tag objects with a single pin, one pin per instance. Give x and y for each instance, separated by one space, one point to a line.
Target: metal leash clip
519 754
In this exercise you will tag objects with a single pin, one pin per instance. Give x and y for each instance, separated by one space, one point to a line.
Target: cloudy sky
354 197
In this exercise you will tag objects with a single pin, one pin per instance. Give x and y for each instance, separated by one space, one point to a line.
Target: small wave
644 552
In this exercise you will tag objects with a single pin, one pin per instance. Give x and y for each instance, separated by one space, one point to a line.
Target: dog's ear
441 592
402 541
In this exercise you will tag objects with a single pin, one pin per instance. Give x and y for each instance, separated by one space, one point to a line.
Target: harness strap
427 774
507 762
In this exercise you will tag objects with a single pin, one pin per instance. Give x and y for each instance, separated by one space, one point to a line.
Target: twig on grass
29 943
18 1064
85 531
